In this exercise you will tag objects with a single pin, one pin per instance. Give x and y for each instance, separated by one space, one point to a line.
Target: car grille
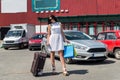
97 50
9 41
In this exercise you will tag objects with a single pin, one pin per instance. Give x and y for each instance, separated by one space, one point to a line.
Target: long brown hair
52 17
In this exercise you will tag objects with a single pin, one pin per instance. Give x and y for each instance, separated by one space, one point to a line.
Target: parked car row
87 47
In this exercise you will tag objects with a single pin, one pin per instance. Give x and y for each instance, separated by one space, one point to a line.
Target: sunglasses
51 19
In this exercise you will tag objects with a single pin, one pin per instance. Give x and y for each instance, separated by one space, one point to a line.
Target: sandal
65 73
53 70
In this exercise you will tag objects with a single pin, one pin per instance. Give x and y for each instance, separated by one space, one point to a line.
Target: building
89 16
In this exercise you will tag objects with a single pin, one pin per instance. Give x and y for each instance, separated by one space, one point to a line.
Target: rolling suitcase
38 63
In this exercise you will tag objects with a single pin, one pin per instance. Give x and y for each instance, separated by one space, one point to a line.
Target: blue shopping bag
68 51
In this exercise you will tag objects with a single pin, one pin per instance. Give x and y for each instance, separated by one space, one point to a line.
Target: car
86 48
35 41
112 40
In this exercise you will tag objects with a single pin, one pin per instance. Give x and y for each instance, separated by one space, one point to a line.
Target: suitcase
38 63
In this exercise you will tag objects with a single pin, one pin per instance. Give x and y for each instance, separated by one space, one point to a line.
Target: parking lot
15 65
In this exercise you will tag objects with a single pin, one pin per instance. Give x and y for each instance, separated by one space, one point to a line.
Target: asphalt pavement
15 64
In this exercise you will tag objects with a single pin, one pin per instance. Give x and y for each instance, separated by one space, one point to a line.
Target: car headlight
80 47
17 41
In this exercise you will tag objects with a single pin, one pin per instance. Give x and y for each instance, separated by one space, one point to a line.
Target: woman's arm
48 34
64 38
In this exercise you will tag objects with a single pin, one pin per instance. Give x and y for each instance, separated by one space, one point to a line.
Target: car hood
88 43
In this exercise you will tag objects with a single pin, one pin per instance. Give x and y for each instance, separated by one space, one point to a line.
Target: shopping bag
68 51
75 53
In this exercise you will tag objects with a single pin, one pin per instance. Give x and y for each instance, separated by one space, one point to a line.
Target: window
77 36
38 36
91 30
83 28
67 26
24 34
75 26
99 28
111 36
101 36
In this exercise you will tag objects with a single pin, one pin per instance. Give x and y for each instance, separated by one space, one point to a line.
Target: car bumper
35 46
91 56
12 45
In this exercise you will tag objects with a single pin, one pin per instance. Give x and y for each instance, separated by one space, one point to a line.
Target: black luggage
38 63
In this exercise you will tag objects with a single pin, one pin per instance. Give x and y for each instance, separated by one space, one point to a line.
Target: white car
87 49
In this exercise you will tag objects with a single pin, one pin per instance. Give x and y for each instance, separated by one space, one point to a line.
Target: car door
110 40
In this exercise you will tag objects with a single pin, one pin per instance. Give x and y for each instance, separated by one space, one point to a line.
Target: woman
55 41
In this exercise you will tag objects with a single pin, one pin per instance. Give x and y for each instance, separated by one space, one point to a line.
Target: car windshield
14 33
77 36
38 36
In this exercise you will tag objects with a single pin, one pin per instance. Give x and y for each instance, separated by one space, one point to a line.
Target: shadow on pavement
16 48
48 74
94 62
70 72
78 71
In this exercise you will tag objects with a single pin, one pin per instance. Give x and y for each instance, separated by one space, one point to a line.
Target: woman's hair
52 17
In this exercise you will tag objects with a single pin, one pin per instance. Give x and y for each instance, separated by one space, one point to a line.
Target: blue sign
45 5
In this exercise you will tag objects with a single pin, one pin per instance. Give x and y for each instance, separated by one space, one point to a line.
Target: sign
13 6
45 5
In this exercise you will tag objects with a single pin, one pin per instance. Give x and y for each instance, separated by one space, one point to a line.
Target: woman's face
51 19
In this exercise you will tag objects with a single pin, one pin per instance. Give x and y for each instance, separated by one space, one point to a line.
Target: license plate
99 54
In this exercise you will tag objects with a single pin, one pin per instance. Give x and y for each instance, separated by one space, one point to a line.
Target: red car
35 41
112 40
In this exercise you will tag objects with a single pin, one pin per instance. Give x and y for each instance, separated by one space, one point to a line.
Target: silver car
87 49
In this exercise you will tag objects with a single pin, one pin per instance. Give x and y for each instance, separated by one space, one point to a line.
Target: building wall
75 7
20 17
84 8
91 7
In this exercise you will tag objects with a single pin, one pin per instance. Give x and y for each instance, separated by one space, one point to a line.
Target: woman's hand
67 41
48 43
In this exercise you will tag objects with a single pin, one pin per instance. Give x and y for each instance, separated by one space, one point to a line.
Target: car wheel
6 48
21 46
117 54
30 48
68 60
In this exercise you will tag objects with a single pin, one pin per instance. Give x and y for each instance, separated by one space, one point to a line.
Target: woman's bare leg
63 63
62 58
52 57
